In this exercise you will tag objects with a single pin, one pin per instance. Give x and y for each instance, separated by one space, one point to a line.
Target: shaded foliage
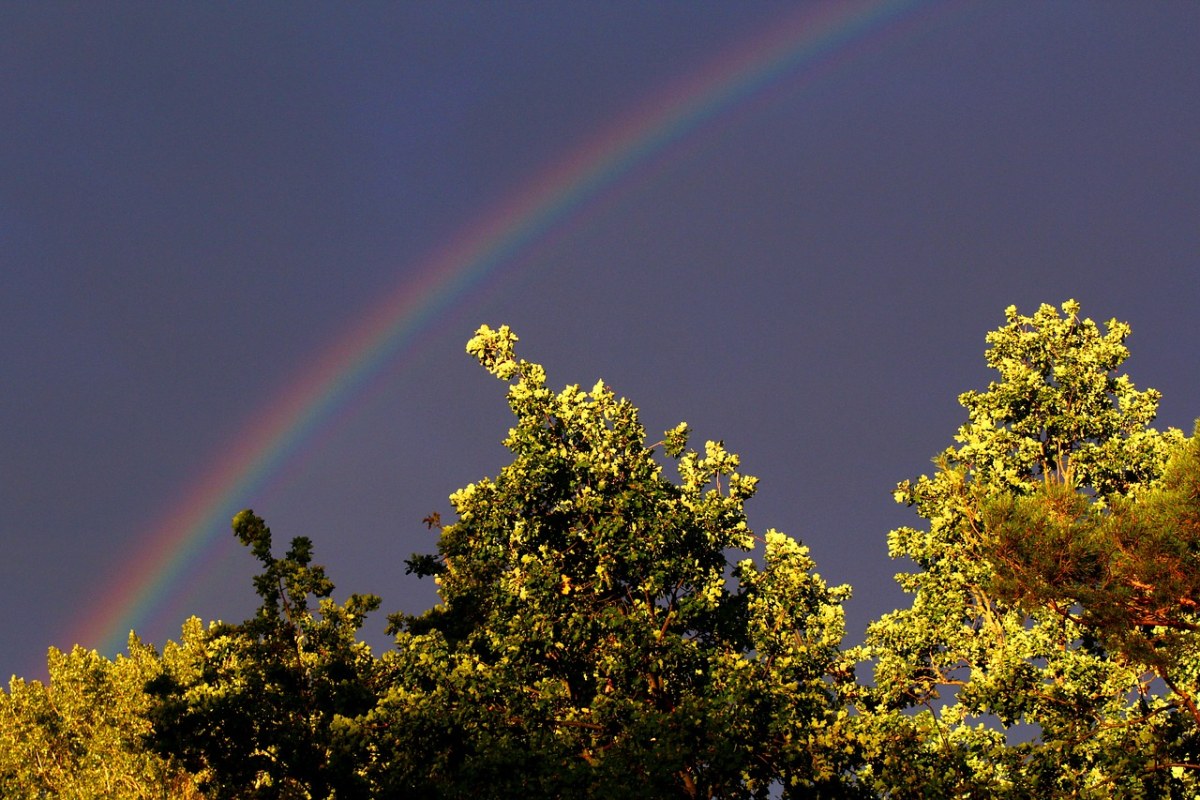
260 709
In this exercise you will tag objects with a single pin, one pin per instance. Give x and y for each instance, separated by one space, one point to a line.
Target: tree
81 735
594 638
263 709
1006 677
1127 571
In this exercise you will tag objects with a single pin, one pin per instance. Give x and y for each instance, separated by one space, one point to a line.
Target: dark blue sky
196 199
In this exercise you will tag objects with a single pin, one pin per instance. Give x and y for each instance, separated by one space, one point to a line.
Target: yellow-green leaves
80 736
676 440
609 625
266 708
1015 562
494 350
596 640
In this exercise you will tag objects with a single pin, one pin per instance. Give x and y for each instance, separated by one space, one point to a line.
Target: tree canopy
608 625
82 735
595 632
1028 587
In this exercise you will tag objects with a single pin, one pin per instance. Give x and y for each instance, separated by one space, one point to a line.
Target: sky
242 247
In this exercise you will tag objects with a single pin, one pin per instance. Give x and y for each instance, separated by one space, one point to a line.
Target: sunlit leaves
81 735
594 638
1017 514
610 626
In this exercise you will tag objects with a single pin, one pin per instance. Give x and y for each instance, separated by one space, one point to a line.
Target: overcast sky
198 200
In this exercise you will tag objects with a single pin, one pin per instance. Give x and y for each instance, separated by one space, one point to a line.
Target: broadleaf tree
82 735
1007 677
596 636
262 709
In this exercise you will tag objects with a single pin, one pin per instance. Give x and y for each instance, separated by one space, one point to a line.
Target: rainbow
805 46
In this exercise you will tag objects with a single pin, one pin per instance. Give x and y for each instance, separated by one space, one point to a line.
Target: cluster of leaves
604 630
82 736
1124 569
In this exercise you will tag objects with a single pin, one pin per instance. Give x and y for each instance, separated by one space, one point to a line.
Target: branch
1184 696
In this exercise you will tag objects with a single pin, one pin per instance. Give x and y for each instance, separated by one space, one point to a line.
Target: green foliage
605 631
995 632
81 736
260 709
594 638
1128 569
